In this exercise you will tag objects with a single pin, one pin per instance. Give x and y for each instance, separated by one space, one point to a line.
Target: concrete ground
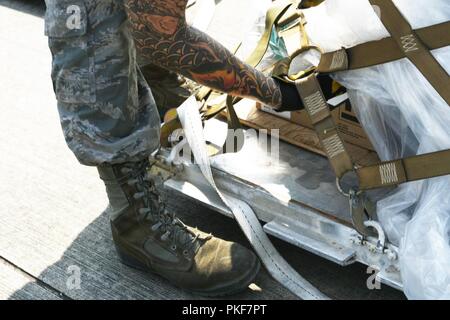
52 229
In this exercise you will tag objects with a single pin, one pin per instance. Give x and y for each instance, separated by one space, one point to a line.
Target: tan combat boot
149 238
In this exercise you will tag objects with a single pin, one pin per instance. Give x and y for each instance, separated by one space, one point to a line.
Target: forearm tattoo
163 37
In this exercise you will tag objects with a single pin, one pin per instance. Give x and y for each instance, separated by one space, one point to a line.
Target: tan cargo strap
385 174
413 48
235 124
273 15
382 51
322 120
404 43
361 208
396 172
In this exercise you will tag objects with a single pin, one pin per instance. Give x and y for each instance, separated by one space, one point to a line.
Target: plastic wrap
276 50
403 116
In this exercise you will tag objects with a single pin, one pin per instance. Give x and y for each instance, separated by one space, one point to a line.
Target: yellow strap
272 17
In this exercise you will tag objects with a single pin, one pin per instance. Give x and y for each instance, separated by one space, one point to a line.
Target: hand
290 98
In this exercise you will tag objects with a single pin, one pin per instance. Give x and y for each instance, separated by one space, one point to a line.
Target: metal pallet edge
298 225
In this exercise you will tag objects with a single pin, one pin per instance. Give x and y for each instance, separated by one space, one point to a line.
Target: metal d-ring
301 74
340 189
351 191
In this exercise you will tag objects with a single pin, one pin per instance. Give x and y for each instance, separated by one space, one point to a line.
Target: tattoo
163 37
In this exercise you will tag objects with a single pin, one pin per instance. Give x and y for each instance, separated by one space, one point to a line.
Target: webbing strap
404 43
272 17
413 48
322 120
382 51
235 124
410 169
384 174
242 212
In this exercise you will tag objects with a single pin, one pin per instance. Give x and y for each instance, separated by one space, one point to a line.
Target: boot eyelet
174 247
185 253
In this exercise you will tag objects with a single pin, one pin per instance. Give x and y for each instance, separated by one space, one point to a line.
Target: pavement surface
55 241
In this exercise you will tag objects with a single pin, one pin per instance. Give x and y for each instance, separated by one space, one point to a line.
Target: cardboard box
344 117
251 115
349 127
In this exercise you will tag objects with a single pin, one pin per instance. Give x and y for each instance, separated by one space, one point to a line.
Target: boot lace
154 210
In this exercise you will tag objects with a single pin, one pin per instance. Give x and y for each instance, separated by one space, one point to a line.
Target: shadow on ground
103 277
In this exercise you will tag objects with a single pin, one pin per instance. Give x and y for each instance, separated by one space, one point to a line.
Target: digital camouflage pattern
107 110
169 89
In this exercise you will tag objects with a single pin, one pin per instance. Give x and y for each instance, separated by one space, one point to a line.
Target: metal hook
381 242
361 211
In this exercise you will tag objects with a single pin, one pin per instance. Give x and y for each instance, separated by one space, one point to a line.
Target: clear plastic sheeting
276 50
403 116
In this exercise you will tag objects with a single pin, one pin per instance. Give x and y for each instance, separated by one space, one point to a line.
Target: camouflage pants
169 89
107 111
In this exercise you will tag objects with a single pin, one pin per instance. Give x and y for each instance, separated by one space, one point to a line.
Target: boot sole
239 285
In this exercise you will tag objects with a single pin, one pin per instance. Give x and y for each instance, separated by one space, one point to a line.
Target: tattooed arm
163 37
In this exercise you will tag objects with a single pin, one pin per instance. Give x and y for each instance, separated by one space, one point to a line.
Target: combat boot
149 238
